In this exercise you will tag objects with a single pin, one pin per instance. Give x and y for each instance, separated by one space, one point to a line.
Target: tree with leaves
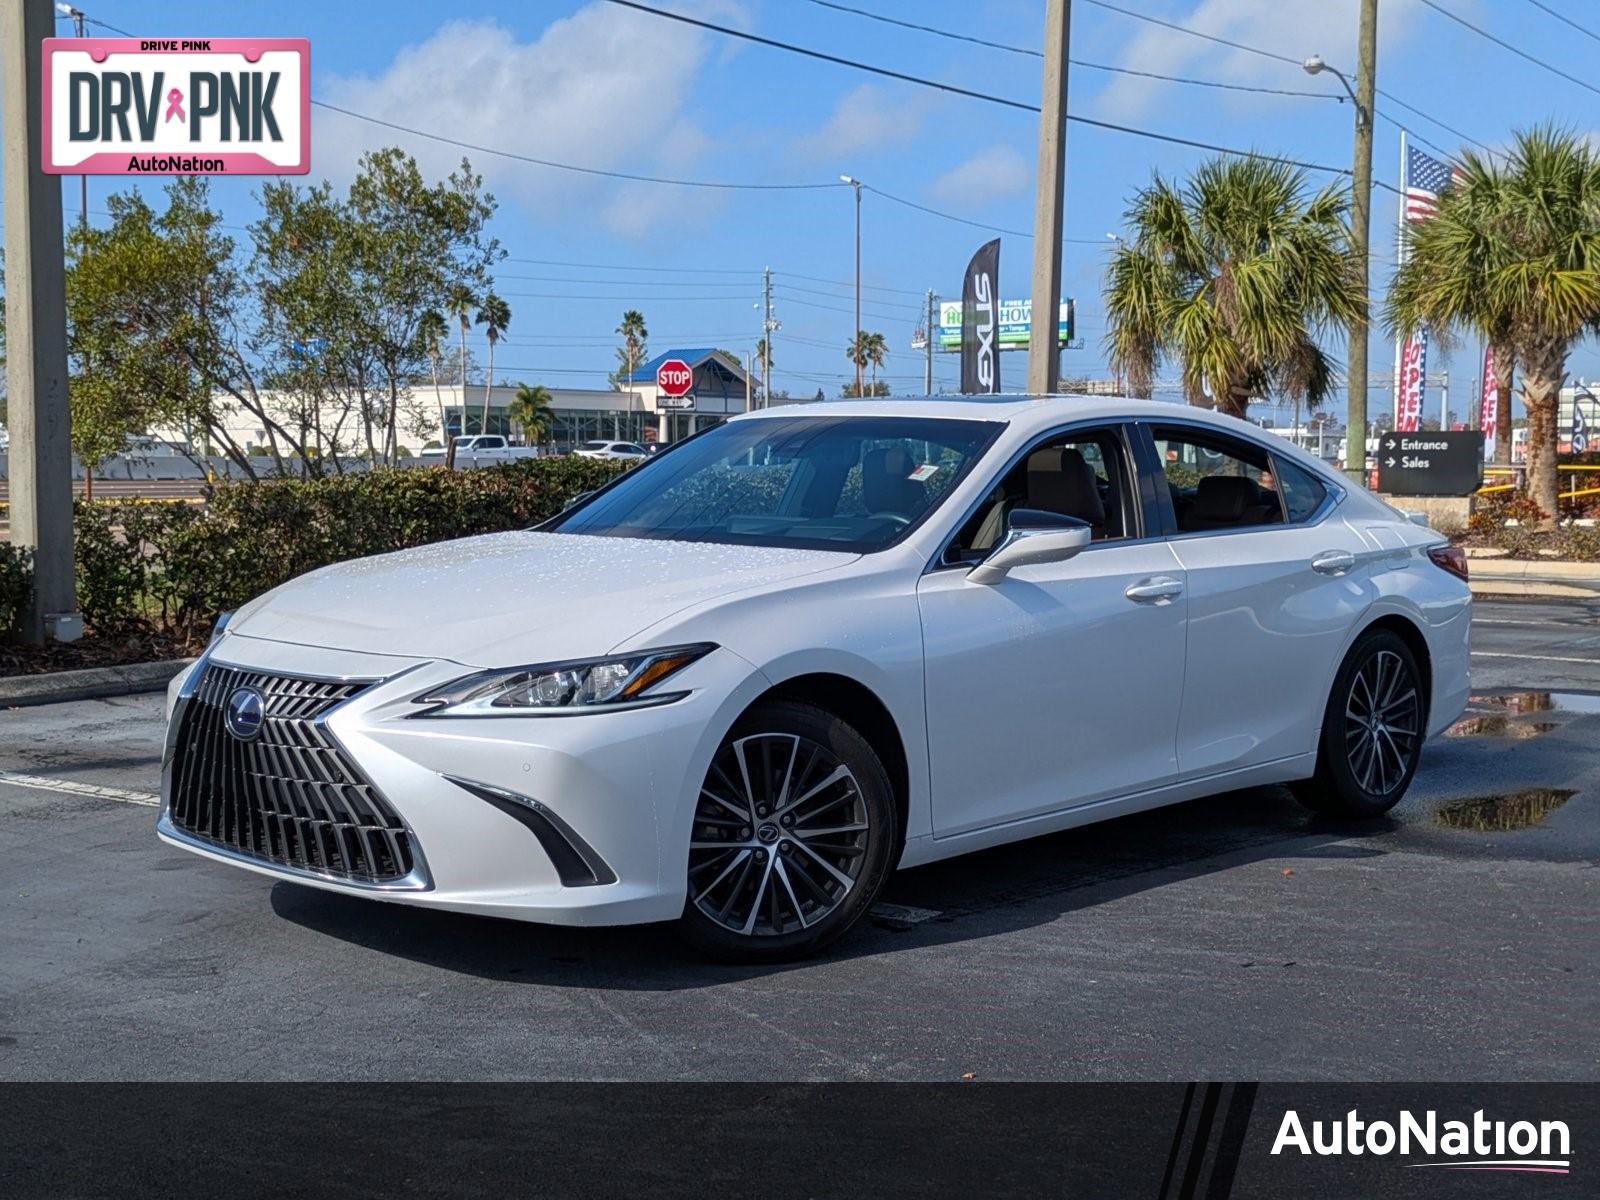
633 351
859 351
877 350
494 316
1236 275
531 412
1513 254
431 332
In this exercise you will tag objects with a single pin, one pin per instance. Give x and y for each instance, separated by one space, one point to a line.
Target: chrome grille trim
291 798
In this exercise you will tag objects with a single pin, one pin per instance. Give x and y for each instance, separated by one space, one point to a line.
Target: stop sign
674 378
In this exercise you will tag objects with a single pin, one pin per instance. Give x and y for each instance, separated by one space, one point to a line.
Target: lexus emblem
247 712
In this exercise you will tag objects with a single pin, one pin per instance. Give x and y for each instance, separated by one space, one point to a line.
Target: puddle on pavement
1523 703
1498 725
1504 813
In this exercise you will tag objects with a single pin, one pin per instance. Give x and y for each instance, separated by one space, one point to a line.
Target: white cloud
604 88
993 174
1295 28
865 119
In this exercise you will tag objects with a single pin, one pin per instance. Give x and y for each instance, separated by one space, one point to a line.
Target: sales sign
1430 464
177 106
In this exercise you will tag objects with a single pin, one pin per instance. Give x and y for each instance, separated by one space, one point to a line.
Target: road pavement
1230 938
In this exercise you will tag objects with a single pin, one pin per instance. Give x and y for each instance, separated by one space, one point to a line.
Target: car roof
1025 411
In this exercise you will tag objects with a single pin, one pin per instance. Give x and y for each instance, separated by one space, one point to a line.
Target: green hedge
173 567
16 584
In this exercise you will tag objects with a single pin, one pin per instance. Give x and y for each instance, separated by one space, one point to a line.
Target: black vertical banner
980 322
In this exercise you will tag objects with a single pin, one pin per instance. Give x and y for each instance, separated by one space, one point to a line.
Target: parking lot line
1536 657
72 787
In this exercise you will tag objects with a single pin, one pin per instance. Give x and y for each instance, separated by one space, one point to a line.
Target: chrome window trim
1120 424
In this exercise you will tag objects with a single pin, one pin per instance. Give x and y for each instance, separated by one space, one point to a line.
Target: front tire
795 832
1372 731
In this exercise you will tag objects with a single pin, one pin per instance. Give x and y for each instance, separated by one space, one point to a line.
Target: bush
1491 516
1580 543
16 585
173 567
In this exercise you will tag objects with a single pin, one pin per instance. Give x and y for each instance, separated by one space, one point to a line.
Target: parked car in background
626 451
482 450
742 683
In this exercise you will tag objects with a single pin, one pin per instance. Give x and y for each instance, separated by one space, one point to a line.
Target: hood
511 598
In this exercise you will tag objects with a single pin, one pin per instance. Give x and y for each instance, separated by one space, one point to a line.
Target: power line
845 283
554 262
561 166
1077 62
1564 19
1503 44
1281 58
969 93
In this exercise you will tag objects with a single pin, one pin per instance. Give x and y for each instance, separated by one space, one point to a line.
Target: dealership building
636 411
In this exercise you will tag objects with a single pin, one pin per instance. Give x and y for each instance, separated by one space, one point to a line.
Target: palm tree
431 331
531 411
764 357
459 303
633 350
1513 254
859 352
494 316
1235 275
877 351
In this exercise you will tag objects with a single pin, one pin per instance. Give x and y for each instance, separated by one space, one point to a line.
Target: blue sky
596 85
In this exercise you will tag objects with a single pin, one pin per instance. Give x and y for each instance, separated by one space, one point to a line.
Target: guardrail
1516 473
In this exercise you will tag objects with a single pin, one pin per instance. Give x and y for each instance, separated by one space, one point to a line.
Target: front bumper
482 795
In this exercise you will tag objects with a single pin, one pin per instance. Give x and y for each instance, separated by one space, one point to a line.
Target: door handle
1333 562
1159 589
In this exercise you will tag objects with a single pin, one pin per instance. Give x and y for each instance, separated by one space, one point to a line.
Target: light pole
66 10
855 337
1361 95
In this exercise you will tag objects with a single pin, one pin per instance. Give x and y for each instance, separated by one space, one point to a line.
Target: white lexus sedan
741 684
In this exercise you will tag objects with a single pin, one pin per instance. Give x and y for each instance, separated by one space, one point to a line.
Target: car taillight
1450 558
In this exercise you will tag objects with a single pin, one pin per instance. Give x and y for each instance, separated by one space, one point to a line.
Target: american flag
1426 177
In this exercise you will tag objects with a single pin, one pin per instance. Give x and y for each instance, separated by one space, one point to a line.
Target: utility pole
1044 356
927 344
36 331
67 10
855 336
1361 232
768 328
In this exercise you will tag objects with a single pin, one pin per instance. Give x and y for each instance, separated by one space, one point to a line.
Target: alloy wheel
1382 723
780 835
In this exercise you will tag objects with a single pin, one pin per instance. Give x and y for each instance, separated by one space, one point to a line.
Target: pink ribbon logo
175 105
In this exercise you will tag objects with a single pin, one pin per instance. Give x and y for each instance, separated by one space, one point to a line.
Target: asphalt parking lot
1232 938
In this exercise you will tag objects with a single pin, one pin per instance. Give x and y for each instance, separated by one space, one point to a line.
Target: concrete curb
1535 569
55 687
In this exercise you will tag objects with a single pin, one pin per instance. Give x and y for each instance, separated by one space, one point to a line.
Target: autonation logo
1476 1145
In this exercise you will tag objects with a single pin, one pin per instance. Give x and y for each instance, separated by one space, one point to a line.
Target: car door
1060 684
1274 586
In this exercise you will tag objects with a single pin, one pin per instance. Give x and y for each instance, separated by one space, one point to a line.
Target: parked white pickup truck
482 450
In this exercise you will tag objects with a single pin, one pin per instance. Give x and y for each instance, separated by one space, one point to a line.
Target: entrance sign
177 106
675 379
1430 464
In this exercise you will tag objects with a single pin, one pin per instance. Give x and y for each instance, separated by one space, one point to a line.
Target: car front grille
290 795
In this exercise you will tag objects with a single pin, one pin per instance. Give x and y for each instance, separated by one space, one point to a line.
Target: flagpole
1399 258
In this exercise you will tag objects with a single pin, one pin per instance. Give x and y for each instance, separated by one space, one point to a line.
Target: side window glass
1082 475
1303 493
1217 482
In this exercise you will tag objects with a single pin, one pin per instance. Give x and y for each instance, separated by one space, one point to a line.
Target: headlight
563 687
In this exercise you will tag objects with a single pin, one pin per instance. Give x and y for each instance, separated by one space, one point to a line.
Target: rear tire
795 832
1372 731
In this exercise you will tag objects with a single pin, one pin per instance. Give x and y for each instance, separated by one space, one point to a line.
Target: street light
855 347
76 15
1361 96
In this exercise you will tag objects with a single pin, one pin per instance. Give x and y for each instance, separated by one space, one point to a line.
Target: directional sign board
675 402
1430 464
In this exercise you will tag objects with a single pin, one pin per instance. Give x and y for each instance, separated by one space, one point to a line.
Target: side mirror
1032 536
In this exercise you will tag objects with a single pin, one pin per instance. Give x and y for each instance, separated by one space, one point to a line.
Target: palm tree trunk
488 383
1505 364
1543 371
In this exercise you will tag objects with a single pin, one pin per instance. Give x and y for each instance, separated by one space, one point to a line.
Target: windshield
831 483
595 445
